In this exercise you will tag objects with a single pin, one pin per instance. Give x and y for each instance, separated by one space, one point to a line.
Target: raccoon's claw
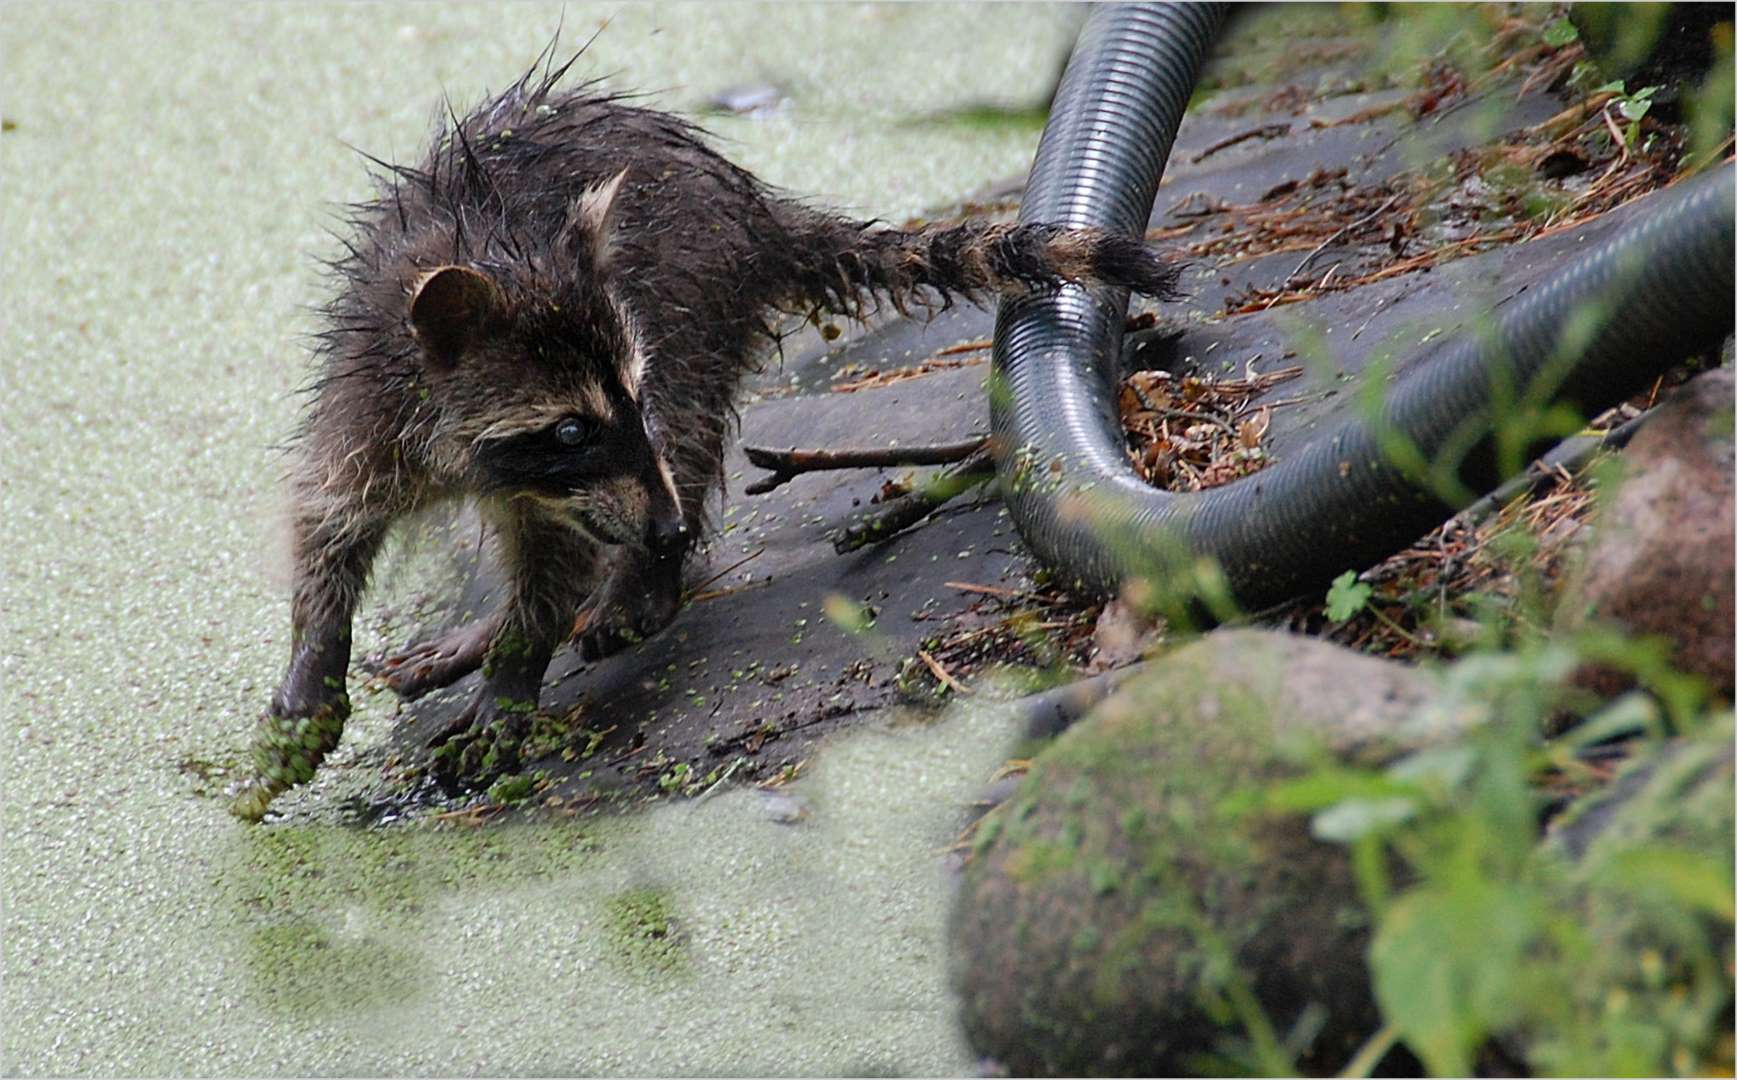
482 743
624 610
599 642
431 665
603 630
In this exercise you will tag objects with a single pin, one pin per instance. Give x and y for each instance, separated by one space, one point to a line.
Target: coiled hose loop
1657 290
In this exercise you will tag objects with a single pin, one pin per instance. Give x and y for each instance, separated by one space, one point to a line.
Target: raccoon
551 315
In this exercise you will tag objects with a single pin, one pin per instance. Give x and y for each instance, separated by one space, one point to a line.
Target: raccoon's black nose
668 535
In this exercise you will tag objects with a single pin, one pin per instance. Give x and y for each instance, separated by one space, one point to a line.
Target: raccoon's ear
450 308
590 228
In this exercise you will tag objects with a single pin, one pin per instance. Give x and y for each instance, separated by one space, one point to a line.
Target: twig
470 815
785 465
905 511
965 347
1571 117
880 380
1615 134
1265 131
632 752
941 673
1389 302
1178 414
1547 73
1306 399
709 792
1394 626
719 594
1572 453
997 590
1359 223
1171 233
1201 418
1692 165
1362 116
737 565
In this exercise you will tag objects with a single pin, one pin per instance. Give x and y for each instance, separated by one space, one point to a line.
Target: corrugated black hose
1656 291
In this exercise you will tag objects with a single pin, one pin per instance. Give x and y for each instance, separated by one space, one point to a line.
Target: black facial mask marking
569 454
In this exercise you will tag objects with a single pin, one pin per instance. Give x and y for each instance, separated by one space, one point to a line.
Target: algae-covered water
166 175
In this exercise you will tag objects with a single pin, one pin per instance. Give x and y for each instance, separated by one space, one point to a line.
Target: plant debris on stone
1422 599
1029 630
1187 433
1600 151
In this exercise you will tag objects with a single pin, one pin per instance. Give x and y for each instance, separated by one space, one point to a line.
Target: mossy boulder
1120 912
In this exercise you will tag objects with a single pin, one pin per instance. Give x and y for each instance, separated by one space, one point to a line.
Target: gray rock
1092 927
1661 558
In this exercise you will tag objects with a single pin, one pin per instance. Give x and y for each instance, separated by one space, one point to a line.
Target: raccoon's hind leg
637 597
550 566
439 661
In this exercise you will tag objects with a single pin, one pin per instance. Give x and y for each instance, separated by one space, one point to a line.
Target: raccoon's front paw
482 743
431 665
286 751
626 609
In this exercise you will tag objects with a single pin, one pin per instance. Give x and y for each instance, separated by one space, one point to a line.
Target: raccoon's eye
571 432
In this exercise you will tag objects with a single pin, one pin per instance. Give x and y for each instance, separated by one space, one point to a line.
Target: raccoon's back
509 171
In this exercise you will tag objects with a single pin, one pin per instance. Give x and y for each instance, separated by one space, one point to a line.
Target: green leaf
1319 790
1560 32
1635 713
1446 766
1447 964
1633 108
1347 596
1353 819
512 788
1693 879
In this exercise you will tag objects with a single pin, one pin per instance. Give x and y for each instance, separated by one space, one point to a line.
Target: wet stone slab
757 671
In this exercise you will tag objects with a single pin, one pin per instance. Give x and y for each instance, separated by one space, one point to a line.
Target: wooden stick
987 590
1265 131
785 465
941 673
897 515
1322 246
979 345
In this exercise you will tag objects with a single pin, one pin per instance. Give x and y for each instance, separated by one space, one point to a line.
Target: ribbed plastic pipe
1658 290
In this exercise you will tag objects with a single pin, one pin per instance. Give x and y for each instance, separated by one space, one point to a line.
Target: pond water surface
169 171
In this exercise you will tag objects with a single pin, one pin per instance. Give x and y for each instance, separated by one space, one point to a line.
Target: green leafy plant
1482 937
1347 596
516 787
1559 32
677 778
1633 107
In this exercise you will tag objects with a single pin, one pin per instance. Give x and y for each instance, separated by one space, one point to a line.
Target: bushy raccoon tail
852 264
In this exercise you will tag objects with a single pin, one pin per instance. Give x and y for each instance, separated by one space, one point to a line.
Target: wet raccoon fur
551 314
